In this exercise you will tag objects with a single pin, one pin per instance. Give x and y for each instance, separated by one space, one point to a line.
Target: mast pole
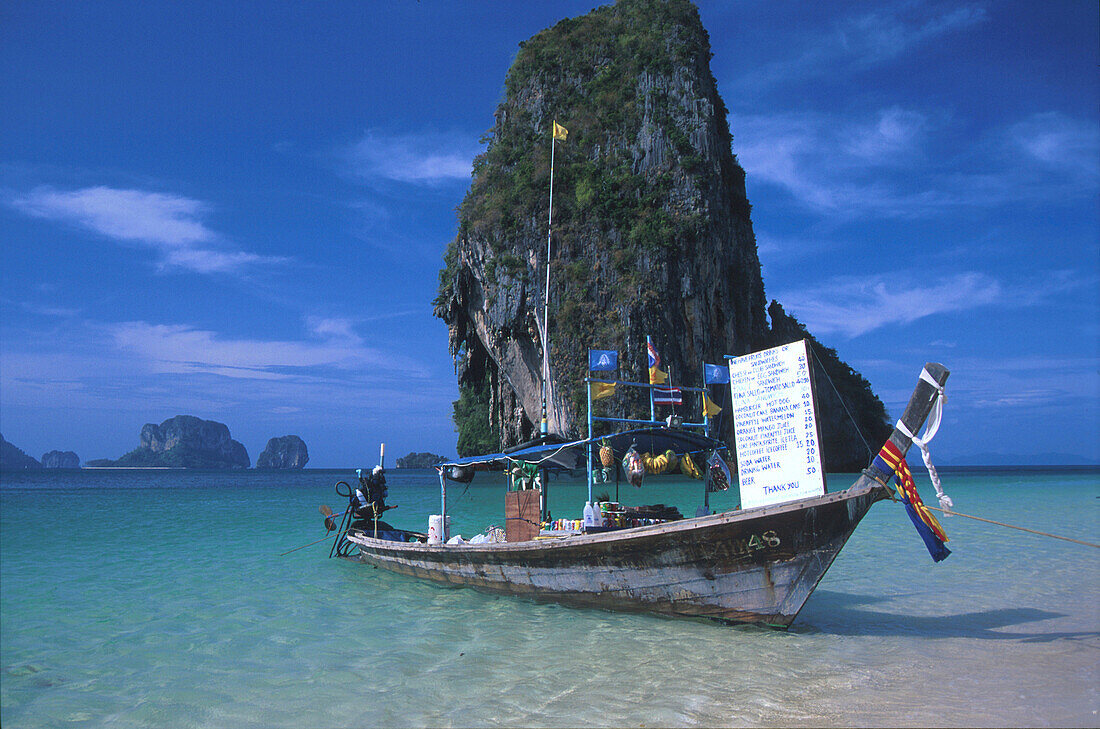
543 429
706 388
443 501
652 407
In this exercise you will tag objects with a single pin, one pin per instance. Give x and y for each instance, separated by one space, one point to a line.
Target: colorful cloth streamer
656 376
889 459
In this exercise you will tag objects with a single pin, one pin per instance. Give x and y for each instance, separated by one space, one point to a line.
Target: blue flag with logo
716 374
603 360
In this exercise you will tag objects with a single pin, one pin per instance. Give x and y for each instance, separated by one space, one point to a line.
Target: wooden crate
521 515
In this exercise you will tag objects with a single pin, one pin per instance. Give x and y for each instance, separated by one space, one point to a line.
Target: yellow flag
709 406
656 376
600 390
560 132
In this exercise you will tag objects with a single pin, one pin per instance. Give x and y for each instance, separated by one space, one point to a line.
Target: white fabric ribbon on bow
932 426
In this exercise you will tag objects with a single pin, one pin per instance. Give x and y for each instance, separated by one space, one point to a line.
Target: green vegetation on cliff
420 460
612 77
471 413
651 234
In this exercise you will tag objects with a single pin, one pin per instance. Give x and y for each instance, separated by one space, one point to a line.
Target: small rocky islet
186 441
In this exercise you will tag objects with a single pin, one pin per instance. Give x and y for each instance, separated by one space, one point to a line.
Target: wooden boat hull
758 565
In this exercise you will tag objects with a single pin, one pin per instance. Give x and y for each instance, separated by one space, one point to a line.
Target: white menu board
778 453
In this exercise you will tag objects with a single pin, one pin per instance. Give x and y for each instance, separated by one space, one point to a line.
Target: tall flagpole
543 430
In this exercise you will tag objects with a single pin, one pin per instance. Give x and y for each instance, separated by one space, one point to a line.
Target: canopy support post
443 500
588 388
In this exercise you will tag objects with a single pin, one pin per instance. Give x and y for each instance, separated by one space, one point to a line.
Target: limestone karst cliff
60 459
288 451
652 232
419 460
184 442
14 459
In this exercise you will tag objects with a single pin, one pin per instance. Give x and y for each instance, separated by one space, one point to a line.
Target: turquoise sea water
158 598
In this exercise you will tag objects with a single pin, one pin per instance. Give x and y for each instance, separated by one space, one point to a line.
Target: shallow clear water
149 598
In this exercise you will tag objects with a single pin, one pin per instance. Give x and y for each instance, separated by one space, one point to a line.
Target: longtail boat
756 565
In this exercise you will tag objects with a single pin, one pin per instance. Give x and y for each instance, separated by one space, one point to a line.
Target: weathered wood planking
758 565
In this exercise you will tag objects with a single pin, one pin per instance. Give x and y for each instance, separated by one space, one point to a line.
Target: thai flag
667 396
654 358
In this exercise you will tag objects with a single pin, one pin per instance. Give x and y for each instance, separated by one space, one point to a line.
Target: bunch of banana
673 461
688 467
658 464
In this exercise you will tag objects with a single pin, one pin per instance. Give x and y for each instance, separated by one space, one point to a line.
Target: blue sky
238 210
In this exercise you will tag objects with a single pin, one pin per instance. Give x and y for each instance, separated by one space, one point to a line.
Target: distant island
420 460
14 459
288 451
60 459
183 442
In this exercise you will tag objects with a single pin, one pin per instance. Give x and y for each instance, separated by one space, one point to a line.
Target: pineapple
607 456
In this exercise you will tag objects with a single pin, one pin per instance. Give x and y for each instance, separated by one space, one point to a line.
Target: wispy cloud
172 225
860 41
420 159
144 372
62 312
854 306
181 348
1026 381
1062 144
334 328
877 165
890 140
837 166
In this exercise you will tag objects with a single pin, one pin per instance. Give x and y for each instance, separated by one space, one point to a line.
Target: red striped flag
667 396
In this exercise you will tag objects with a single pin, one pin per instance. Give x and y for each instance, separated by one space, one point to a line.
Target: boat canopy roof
571 455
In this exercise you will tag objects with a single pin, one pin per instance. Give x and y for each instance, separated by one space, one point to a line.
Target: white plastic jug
436 534
589 515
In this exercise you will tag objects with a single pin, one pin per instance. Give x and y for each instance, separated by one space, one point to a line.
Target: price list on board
775 426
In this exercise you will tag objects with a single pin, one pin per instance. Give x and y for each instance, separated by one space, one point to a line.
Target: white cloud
423 159
851 306
130 215
183 349
334 328
169 224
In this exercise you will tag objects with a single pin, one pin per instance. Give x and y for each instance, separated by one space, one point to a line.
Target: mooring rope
847 412
322 539
1012 526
